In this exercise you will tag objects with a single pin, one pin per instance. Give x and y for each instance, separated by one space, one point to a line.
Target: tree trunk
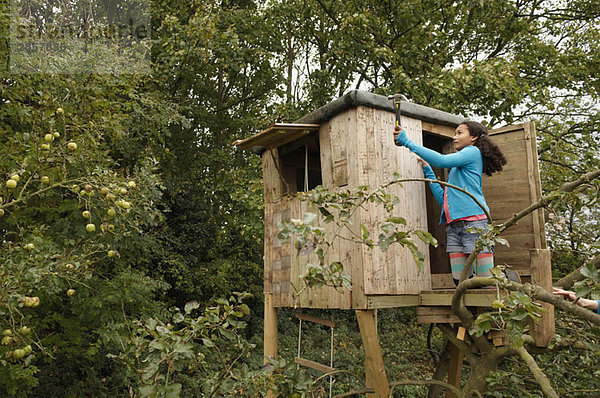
441 371
479 370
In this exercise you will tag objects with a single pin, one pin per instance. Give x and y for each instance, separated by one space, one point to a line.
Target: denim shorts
458 240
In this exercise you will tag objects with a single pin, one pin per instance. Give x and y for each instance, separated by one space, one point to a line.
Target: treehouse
348 143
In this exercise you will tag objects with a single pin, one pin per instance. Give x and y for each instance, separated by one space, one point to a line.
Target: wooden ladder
312 364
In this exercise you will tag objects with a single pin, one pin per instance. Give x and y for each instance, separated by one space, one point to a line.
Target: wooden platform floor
438 297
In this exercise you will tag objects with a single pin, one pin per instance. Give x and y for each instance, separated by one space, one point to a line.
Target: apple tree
79 190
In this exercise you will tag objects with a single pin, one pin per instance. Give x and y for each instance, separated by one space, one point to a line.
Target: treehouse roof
281 133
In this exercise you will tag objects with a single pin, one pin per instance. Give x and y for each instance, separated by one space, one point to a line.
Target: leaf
158 345
365 231
519 314
588 271
190 306
173 390
147 391
325 212
426 237
397 220
309 217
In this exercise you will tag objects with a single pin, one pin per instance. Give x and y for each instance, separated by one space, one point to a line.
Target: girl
475 155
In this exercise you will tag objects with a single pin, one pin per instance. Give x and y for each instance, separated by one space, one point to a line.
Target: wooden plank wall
322 297
513 189
372 161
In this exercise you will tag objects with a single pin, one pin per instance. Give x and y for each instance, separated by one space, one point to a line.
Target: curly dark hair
492 156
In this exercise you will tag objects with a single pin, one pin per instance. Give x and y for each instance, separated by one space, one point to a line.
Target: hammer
397 98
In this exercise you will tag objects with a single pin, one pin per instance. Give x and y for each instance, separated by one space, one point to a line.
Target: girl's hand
423 163
400 137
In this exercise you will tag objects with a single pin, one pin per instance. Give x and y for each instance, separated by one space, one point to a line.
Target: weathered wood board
512 190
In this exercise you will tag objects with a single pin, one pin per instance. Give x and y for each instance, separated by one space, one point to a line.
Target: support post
269 334
270 328
455 369
376 376
541 274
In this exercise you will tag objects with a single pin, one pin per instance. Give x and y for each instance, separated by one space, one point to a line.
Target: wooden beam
315 319
376 376
270 329
274 135
436 315
455 370
375 302
314 365
292 146
541 274
473 298
438 129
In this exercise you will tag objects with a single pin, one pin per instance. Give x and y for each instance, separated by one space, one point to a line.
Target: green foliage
200 355
590 285
513 312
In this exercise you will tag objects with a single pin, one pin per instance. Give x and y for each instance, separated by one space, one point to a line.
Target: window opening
301 164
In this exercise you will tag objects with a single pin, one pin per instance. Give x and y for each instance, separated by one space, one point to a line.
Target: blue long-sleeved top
466 168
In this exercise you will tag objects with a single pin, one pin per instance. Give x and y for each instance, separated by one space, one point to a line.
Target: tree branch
540 294
569 280
465 316
538 374
450 334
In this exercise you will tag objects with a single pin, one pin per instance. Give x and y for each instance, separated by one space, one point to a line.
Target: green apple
25 330
132 184
103 191
30 246
45 180
11 184
111 227
1 213
71 292
71 146
56 134
35 301
49 137
111 213
90 228
86 214
124 204
28 350
111 253
69 266
28 302
123 191
15 177
60 111
7 332
19 353
45 147
6 340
